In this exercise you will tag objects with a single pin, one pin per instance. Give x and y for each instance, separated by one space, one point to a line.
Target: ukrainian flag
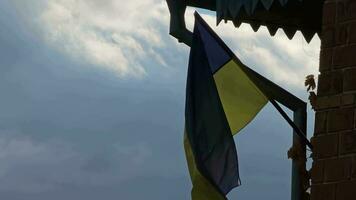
220 100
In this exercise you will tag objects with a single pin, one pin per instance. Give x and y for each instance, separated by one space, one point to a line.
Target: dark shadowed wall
334 167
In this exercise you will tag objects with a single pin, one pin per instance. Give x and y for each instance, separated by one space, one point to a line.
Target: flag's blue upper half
216 55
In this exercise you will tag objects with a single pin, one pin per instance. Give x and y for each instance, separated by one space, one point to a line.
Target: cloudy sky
92 101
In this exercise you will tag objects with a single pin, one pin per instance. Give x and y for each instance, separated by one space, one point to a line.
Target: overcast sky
92 102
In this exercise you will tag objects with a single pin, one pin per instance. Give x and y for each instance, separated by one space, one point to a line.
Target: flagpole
300 182
300 179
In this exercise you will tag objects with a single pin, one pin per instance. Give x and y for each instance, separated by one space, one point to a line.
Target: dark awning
290 15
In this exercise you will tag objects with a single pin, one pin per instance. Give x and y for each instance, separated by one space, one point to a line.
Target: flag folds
220 100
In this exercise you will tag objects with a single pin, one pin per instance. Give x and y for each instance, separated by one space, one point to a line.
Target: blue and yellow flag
220 100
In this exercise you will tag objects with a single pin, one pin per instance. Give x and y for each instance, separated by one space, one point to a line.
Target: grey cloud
94 136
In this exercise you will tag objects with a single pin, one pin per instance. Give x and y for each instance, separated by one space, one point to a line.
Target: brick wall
334 167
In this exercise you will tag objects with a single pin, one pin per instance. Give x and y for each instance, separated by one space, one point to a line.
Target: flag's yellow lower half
240 97
202 188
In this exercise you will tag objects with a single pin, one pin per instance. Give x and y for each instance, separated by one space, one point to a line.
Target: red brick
344 56
353 173
323 192
328 37
337 169
352 35
341 34
346 10
350 78
346 190
326 56
355 119
320 123
340 119
325 146
348 142
328 102
348 99
329 13
330 83
317 171
352 9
